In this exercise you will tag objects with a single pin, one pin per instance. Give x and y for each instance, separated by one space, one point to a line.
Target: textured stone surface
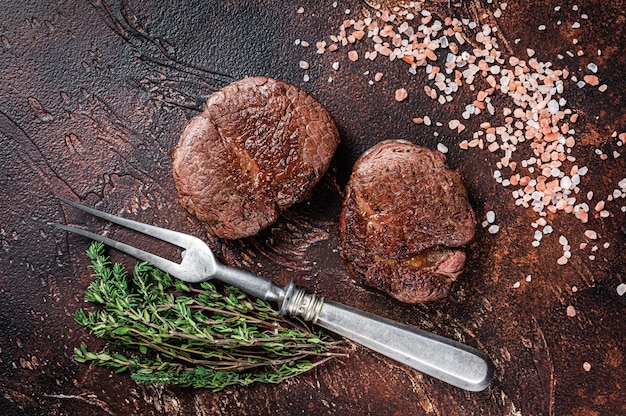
95 95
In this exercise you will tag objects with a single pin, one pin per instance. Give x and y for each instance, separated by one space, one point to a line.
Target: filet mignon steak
259 147
404 217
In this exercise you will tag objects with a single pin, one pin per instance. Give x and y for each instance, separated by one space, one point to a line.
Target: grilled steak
259 147
404 216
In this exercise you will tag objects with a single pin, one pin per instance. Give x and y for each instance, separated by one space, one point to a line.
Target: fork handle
450 361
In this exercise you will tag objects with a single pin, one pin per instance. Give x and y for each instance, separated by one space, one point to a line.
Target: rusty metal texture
94 96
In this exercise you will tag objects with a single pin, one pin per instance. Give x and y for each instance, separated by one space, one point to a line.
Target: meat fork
450 361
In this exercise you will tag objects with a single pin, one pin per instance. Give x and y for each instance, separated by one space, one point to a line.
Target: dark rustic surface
93 97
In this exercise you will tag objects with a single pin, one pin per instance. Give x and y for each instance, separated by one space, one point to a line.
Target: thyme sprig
166 331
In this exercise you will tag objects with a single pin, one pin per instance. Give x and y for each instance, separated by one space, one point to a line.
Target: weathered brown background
93 96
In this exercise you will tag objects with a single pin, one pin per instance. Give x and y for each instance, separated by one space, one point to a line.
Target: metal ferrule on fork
296 302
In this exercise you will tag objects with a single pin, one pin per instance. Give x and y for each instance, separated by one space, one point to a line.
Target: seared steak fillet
259 147
403 215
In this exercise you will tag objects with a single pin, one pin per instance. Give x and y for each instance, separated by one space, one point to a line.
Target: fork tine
159 262
174 237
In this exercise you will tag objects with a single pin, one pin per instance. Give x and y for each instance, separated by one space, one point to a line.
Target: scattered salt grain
491 217
566 182
304 65
553 107
442 148
591 234
591 80
621 289
586 366
571 311
493 229
401 94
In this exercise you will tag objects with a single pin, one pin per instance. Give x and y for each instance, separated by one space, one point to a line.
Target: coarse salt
537 114
571 311
401 94
591 234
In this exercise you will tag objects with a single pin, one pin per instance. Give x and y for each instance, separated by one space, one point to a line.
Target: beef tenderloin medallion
259 146
404 218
